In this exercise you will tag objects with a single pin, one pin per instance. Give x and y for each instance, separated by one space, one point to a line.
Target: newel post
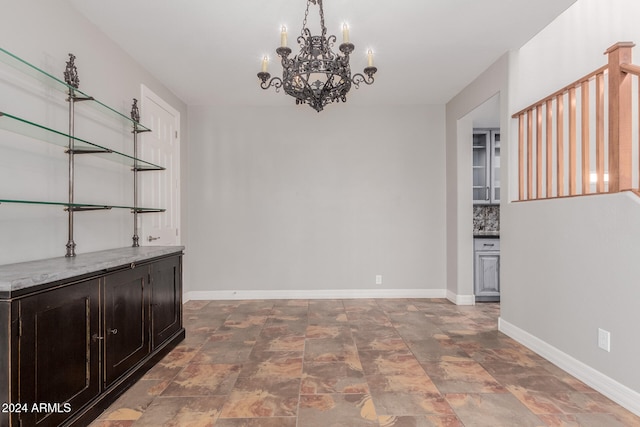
620 135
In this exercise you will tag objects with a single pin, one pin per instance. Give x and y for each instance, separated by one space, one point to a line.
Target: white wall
571 266
43 33
287 199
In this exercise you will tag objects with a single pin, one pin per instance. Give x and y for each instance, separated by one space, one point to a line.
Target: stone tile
600 420
490 409
245 320
462 377
389 363
172 363
538 403
249 333
323 312
328 331
337 410
281 337
394 403
223 351
559 420
133 404
262 397
111 423
330 350
334 377
203 380
257 422
182 411
419 421
280 364
417 382
438 350
534 382
374 337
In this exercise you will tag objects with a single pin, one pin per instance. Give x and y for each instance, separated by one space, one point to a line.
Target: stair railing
566 139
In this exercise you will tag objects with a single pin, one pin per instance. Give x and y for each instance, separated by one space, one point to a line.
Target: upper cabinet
486 166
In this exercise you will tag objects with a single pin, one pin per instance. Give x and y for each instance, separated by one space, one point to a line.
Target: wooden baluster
572 141
549 124
560 144
600 132
539 152
620 134
586 167
529 153
521 157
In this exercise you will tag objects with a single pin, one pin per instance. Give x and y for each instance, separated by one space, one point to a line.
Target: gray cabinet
487 269
486 166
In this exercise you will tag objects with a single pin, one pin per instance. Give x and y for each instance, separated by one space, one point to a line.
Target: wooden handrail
564 90
630 68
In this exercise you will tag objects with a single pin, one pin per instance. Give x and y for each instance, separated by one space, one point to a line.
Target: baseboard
315 294
461 299
619 393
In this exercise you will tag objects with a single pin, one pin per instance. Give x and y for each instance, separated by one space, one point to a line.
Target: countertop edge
14 277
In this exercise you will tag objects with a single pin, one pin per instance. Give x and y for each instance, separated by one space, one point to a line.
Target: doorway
485 120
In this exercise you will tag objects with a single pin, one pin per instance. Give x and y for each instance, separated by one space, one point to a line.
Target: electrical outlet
604 340
378 279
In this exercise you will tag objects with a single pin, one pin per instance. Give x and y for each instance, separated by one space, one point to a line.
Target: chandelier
316 76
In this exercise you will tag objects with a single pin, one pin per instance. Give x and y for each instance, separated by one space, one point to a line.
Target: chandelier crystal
316 75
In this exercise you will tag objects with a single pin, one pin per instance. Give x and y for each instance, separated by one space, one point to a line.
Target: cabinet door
166 299
59 347
481 170
495 167
487 274
126 334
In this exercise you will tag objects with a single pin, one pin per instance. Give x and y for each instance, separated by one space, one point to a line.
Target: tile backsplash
486 219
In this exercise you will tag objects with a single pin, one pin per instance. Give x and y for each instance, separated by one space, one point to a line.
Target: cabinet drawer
484 244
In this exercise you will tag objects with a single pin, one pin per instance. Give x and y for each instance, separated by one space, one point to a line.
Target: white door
159 189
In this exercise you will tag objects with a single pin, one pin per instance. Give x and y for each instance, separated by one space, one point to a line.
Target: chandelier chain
306 15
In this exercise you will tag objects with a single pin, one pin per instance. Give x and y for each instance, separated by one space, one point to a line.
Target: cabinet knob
113 331
95 337
151 238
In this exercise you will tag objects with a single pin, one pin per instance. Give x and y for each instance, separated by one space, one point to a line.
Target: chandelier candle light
316 75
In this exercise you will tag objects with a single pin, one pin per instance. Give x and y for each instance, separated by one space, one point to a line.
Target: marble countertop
15 277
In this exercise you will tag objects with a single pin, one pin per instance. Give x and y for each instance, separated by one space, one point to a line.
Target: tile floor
352 363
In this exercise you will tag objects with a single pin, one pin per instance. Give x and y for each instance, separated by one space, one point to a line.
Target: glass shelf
33 130
35 72
81 206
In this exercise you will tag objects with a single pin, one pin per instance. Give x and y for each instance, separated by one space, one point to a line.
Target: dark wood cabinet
59 351
166 300
126 312
70 348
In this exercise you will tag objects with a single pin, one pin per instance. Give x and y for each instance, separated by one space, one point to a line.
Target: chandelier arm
360 78
276 82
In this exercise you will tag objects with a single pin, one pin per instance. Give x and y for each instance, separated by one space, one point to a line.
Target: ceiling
208 52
